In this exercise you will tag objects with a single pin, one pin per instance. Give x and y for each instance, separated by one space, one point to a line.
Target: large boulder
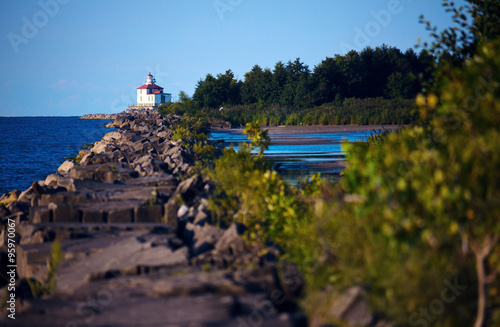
65 167
189 188
113 137
101 147
231 241
201 238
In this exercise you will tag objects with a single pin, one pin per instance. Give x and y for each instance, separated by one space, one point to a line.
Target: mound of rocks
139 245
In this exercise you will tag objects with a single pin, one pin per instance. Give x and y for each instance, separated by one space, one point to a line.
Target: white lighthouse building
150 95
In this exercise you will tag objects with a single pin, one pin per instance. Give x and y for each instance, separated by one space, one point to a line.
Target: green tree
326 80
184 105
257 86
279 80
288 95
297 70
399 86
302 93
205 94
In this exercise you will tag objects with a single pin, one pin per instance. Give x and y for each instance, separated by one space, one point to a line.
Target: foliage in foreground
415 219
429 202
248 191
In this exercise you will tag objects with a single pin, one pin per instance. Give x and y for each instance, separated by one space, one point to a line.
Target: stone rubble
138 241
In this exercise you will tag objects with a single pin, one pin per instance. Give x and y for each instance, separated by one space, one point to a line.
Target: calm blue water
33 147
300 155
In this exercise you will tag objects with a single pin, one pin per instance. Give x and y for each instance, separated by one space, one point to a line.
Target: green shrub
428 201
249 192
50 283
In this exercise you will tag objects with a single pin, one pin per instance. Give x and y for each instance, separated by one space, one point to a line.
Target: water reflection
300 155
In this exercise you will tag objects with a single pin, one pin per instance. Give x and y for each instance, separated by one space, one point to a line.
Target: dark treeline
329 94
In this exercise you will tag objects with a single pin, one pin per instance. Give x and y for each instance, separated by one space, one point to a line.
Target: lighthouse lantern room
150 95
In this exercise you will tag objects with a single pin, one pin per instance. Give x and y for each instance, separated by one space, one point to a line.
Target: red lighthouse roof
150 86
150 74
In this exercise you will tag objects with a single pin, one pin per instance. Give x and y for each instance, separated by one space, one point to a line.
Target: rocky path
139 246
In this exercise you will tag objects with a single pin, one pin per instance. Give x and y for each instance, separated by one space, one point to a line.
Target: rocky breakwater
99 116
138 243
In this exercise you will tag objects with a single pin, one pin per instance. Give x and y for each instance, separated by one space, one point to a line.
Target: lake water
300 155
33 147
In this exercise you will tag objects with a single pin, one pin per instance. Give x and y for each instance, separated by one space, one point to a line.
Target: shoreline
314 129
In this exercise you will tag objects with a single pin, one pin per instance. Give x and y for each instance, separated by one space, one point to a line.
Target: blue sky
71 57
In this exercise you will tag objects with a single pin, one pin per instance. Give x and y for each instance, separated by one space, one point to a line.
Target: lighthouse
150 95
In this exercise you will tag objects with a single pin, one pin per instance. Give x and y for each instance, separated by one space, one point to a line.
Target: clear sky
71 57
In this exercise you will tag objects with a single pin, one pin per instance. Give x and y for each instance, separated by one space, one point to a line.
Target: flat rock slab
125 256
80 242
194 311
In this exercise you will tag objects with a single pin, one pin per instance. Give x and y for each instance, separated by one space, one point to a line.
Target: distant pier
99 116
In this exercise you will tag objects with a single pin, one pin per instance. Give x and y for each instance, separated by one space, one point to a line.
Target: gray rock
65 167
189 188
121 257
121 215
202 218
26 196
101 147
171 209
4 212
201 238
64 213
148 214
93 216
144 159
40 215
351 307
112 136
67 183
87 159
231 241
52 180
